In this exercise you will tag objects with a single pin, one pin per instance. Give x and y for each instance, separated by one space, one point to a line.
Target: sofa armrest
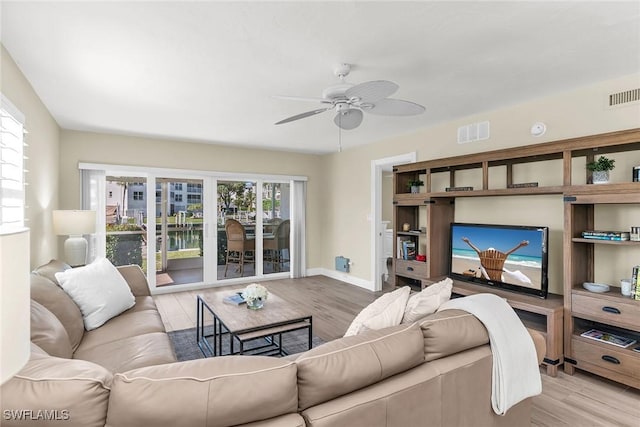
540 343
75 392
136 279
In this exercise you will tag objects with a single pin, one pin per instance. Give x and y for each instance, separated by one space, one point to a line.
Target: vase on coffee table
255 304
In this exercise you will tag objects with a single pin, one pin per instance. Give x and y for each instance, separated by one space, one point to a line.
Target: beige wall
89 147
575 113
43 152
337 215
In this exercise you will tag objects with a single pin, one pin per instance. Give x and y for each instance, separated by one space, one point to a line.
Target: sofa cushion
50 295
130 353
409 399
350 363
384 312
427 301
128 324
99 290
50 269
136 279
48 333
451 331
77 390
220 391
142 303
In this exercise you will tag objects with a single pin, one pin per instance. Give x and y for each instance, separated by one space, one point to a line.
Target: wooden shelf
435 208
606 242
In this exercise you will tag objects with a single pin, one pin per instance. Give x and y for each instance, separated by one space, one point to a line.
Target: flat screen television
511 257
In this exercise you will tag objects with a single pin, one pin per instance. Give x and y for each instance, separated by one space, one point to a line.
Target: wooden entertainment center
428 216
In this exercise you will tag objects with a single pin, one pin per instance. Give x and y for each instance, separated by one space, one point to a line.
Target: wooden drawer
412 269
619 313
628 361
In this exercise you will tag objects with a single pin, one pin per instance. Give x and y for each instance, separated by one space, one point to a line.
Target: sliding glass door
193 228
179 225
125 220
236 230
276 237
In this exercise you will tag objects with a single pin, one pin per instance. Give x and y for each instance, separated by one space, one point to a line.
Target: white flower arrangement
253 292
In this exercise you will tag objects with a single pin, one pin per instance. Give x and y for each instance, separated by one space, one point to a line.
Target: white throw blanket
516 375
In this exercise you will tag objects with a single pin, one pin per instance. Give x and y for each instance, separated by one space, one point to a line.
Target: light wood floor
581 400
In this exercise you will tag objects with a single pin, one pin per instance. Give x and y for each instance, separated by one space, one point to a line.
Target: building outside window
194 198
138 195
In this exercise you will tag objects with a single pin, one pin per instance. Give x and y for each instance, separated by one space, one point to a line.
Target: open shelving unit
434 210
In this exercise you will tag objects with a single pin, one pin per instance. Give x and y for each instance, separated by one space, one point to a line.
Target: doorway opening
382 215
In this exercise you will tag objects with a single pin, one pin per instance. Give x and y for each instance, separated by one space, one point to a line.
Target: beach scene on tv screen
512 256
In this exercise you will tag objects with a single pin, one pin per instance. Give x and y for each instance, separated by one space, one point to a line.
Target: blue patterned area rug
186 347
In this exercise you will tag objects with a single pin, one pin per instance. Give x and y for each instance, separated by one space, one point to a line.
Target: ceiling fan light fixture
351 100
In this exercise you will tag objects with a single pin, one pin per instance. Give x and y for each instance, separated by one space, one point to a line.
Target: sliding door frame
210 208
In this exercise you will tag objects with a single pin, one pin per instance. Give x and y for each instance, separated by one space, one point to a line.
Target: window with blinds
12 157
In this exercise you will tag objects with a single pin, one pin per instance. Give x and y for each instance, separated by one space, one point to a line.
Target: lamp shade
15 334
74 222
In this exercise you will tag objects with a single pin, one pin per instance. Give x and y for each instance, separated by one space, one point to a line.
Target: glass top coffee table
217 319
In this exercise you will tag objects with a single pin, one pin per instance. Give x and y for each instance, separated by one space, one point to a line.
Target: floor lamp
74 223
15 334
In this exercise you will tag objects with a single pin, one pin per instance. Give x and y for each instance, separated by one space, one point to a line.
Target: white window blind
12 194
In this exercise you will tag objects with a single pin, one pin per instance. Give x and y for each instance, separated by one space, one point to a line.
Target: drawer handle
610 310
409 268
610 359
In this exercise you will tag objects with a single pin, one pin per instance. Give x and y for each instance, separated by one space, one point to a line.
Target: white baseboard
353 280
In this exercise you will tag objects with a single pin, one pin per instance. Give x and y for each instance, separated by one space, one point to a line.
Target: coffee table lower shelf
211 344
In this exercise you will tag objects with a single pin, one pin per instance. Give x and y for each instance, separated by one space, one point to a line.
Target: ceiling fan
351 100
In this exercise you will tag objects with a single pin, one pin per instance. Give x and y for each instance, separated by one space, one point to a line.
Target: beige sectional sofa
434 372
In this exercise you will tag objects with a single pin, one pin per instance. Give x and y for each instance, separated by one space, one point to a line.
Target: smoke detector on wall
538 129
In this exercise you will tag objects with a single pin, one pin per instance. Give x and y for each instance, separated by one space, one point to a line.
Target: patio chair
240 249
275 248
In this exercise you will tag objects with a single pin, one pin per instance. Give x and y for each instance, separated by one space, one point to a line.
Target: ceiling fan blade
372 91
396 107
303 98
349 119
303 115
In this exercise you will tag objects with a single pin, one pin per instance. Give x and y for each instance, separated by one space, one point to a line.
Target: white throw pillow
383 312
99 290
427 301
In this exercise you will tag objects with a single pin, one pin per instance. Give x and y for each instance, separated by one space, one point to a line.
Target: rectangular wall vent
473 132
632 95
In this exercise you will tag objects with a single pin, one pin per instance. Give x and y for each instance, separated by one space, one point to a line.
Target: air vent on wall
473 132
625 97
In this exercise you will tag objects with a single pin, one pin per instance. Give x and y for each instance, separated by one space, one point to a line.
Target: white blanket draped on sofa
516 375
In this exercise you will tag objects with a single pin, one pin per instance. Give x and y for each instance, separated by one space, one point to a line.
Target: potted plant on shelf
415 185
600 169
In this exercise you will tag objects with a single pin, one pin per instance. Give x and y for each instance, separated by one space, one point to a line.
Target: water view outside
178 223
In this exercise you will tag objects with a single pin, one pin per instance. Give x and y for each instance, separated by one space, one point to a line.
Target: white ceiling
207 71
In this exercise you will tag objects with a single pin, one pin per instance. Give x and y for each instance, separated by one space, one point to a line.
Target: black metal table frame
272 347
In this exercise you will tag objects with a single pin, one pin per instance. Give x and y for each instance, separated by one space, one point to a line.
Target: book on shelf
635 283
458 189
606 235
408 250
608 338
235 299
523 185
